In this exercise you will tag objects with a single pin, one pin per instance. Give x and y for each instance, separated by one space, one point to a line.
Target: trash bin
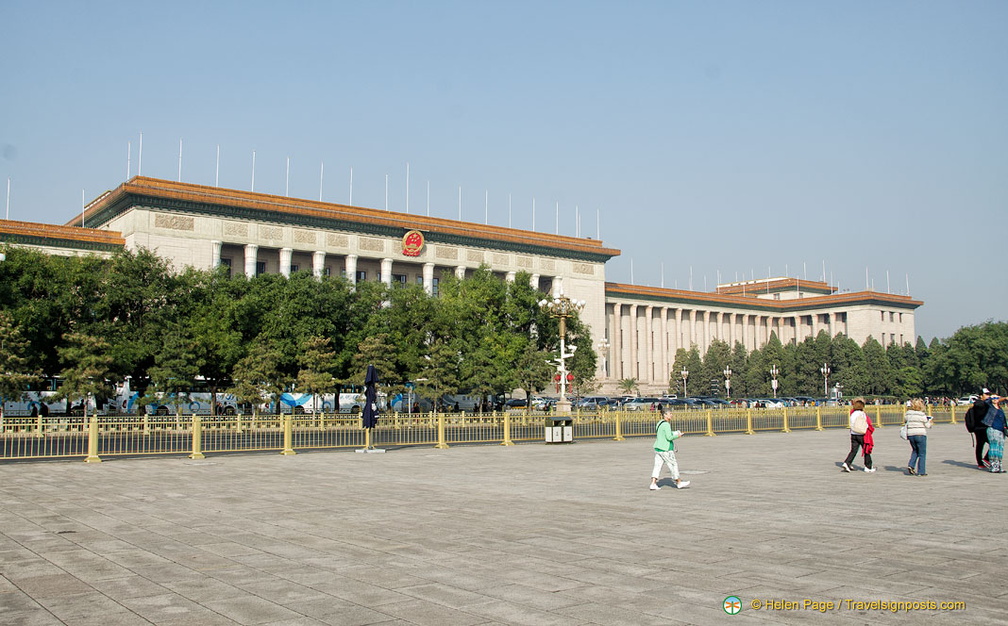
559 429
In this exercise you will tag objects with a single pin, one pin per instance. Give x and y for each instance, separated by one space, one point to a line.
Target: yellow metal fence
196 436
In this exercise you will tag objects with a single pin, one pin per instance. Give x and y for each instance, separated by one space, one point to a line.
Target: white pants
668 458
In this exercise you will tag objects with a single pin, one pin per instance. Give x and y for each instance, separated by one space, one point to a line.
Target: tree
258 376
15 377
317 362
628 386
86 370
175 368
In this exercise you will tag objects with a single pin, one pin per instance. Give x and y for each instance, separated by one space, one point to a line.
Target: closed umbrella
369 415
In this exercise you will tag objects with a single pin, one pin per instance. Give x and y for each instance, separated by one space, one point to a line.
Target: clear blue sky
727 137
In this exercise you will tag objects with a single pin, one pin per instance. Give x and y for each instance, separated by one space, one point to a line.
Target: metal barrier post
786 429
197 438
507 430
748 421
289 436
710 424
953 406
92 456
878 415
441 443
619 426
38 426
818 418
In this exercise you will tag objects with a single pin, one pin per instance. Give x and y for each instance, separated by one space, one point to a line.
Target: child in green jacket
665 452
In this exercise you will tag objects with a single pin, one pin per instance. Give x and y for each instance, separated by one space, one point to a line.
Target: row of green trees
973 357
96 321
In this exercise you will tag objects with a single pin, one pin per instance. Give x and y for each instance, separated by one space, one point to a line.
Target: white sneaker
869 470
682 484
845 467
654 487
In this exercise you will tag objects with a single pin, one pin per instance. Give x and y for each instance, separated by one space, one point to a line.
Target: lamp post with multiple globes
562 307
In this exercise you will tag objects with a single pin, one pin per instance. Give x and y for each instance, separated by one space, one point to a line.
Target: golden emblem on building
412 243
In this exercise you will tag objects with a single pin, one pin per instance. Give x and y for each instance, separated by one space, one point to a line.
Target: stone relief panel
444 252
305 236
474 256
274 233
337 241
524 262
174 222
500 260
371 244
547 265
234 229
584 268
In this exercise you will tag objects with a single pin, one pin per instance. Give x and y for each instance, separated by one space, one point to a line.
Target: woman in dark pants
857 418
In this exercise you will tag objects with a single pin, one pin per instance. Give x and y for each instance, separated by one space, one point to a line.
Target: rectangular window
399 279
227 263
294 267
434 287
260 267
361 276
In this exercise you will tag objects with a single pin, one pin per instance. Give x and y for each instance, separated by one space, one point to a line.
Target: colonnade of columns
251 252
642 339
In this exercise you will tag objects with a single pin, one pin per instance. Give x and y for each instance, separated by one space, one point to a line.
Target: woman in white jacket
917 423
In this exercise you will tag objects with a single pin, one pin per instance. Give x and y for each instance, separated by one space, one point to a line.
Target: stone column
386 272
663 348
534 281
633 340
285 261
251 256
318 263
460 272
557 286
648 344
215 254
509 277
428 278
350 265
616 341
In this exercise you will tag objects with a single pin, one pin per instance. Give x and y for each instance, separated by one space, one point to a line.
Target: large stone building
636 329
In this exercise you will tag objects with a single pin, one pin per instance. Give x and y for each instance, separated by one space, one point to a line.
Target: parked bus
349 399
39 399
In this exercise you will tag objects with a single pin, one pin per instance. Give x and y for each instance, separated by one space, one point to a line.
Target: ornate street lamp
603 347
727 380
562 307
685 375
773 378
825 369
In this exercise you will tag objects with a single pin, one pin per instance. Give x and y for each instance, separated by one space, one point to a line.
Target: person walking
664 449
858 427
975 426
996 427
917 423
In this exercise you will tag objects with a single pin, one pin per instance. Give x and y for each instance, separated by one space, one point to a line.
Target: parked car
966 401
516 403
642 404
593 402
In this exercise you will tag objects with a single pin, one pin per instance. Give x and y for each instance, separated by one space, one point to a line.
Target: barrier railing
24 437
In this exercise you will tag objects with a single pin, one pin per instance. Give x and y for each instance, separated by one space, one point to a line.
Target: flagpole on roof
509 210
140 157
287 179
407 186
216 179
253 171
8 217
321 179
386 192
351 186
82 205
129 164
533 214
460 203
180 159
486 206
428 198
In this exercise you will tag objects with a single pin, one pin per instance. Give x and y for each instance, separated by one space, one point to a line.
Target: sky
862 142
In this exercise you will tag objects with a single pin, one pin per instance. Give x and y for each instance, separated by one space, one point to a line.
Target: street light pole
825 369
727 380
773 379
685 375
604 349
562 307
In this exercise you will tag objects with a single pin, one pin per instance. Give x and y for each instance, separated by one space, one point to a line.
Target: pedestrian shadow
959 464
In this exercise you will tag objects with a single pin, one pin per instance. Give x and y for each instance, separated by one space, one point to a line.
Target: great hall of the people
636 330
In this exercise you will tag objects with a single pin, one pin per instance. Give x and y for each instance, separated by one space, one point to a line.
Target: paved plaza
529 534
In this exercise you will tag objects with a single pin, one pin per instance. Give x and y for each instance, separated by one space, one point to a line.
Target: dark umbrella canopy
370 415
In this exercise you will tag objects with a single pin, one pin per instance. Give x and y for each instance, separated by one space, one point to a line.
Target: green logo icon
732 605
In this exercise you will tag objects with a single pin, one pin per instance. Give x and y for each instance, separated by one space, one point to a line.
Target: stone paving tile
493 535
